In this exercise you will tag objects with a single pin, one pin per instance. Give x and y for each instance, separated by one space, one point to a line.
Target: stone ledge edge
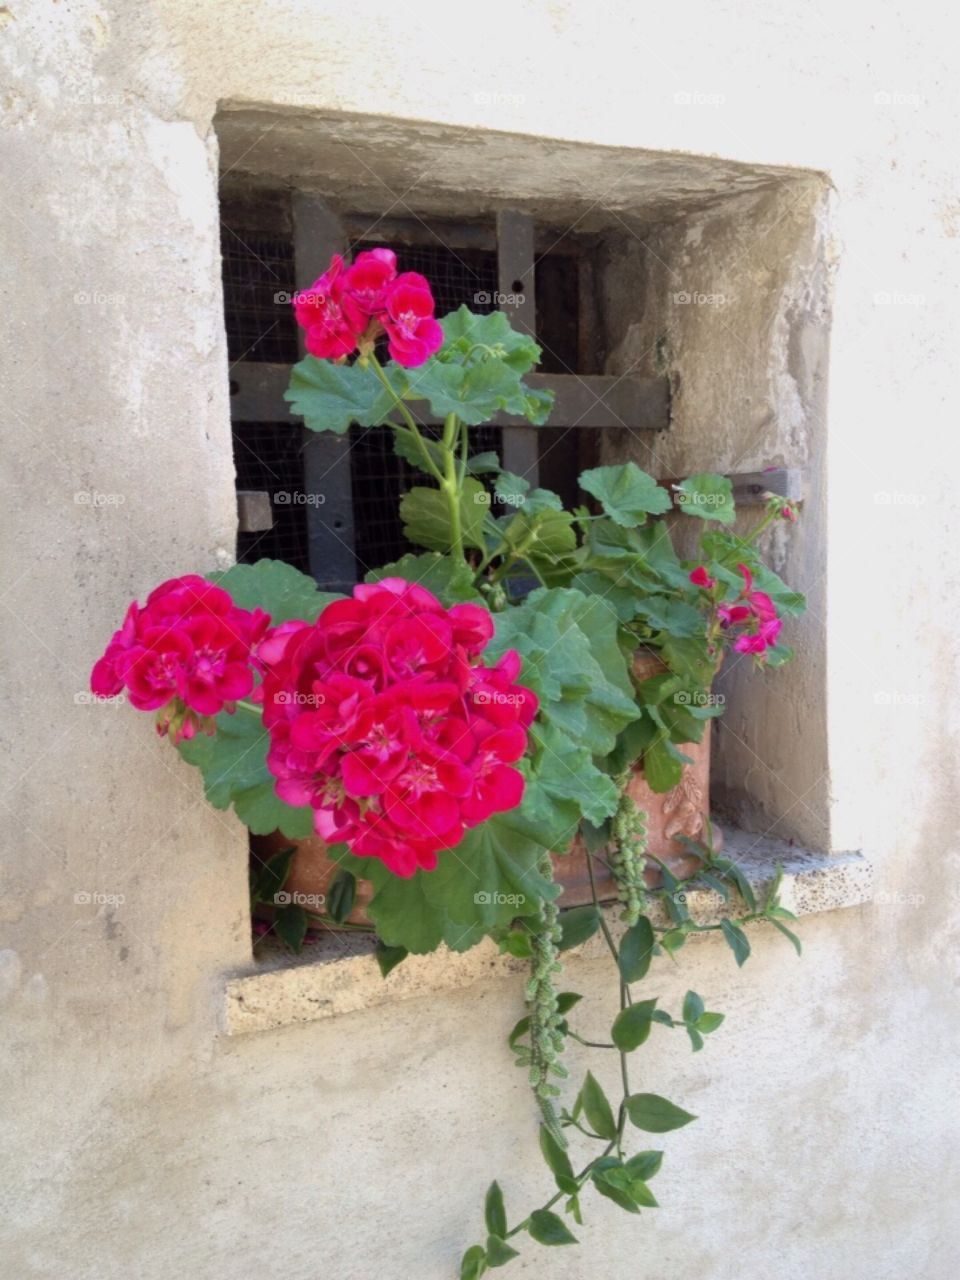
326 983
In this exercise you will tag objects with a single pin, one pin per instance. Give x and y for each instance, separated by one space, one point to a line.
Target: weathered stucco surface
141 1143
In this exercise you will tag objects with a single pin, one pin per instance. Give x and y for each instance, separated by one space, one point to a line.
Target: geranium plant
470 710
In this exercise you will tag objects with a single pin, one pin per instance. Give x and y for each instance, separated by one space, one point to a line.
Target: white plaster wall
139 1144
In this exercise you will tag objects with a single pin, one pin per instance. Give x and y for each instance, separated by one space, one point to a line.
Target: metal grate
379 478
269 456
458 277
258 276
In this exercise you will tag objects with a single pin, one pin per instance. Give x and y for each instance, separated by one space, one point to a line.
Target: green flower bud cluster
626 859
546 1035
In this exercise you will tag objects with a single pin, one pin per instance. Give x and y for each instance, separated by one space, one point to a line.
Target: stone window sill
340 975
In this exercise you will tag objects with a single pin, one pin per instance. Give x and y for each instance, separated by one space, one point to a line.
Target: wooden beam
596 401
317 234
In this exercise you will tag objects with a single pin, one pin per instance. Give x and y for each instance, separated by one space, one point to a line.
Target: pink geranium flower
700 578
188 654
350 307
383 720
326 313
413 333
756 614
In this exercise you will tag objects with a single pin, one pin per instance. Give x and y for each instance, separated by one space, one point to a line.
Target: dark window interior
258 279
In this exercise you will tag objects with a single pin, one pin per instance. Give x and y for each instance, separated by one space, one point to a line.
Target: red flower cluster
351 306
382 719
755 613
187 654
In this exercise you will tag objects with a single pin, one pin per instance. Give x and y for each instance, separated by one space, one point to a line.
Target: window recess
334 498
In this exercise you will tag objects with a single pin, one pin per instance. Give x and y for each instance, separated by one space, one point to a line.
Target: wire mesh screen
269 456
458 277
258 279
379 477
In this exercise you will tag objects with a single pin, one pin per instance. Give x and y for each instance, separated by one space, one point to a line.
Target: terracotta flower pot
682 811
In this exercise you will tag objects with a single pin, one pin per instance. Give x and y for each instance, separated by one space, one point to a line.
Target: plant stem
408 417
451 483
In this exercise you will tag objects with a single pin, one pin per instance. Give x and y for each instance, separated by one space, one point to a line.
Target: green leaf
341 894
661 613
612 1192
449 577
290 925
708 1022
557 1159
673 940
732 871
426 516
474 392
494 1214
630 1185
329 397
499 1253
567 999
547 1228
577 925
708 497
463 330
737 940
632 1025
490 878
693 1006
654 1114
636 950
573 662
482 463
627 494
567 786
272 875
663 765
233 762
597 1109
389 957
473 1264
787 933
644 1165
277 588
517 943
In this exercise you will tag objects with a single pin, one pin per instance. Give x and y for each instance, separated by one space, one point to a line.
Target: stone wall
139 1141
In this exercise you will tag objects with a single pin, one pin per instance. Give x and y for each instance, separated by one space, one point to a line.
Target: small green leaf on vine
596 1108
494 1213
650 1112
547 1228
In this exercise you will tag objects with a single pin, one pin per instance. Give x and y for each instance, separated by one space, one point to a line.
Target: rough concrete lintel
329 980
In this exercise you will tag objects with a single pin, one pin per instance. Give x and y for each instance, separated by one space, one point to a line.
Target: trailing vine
614 1173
